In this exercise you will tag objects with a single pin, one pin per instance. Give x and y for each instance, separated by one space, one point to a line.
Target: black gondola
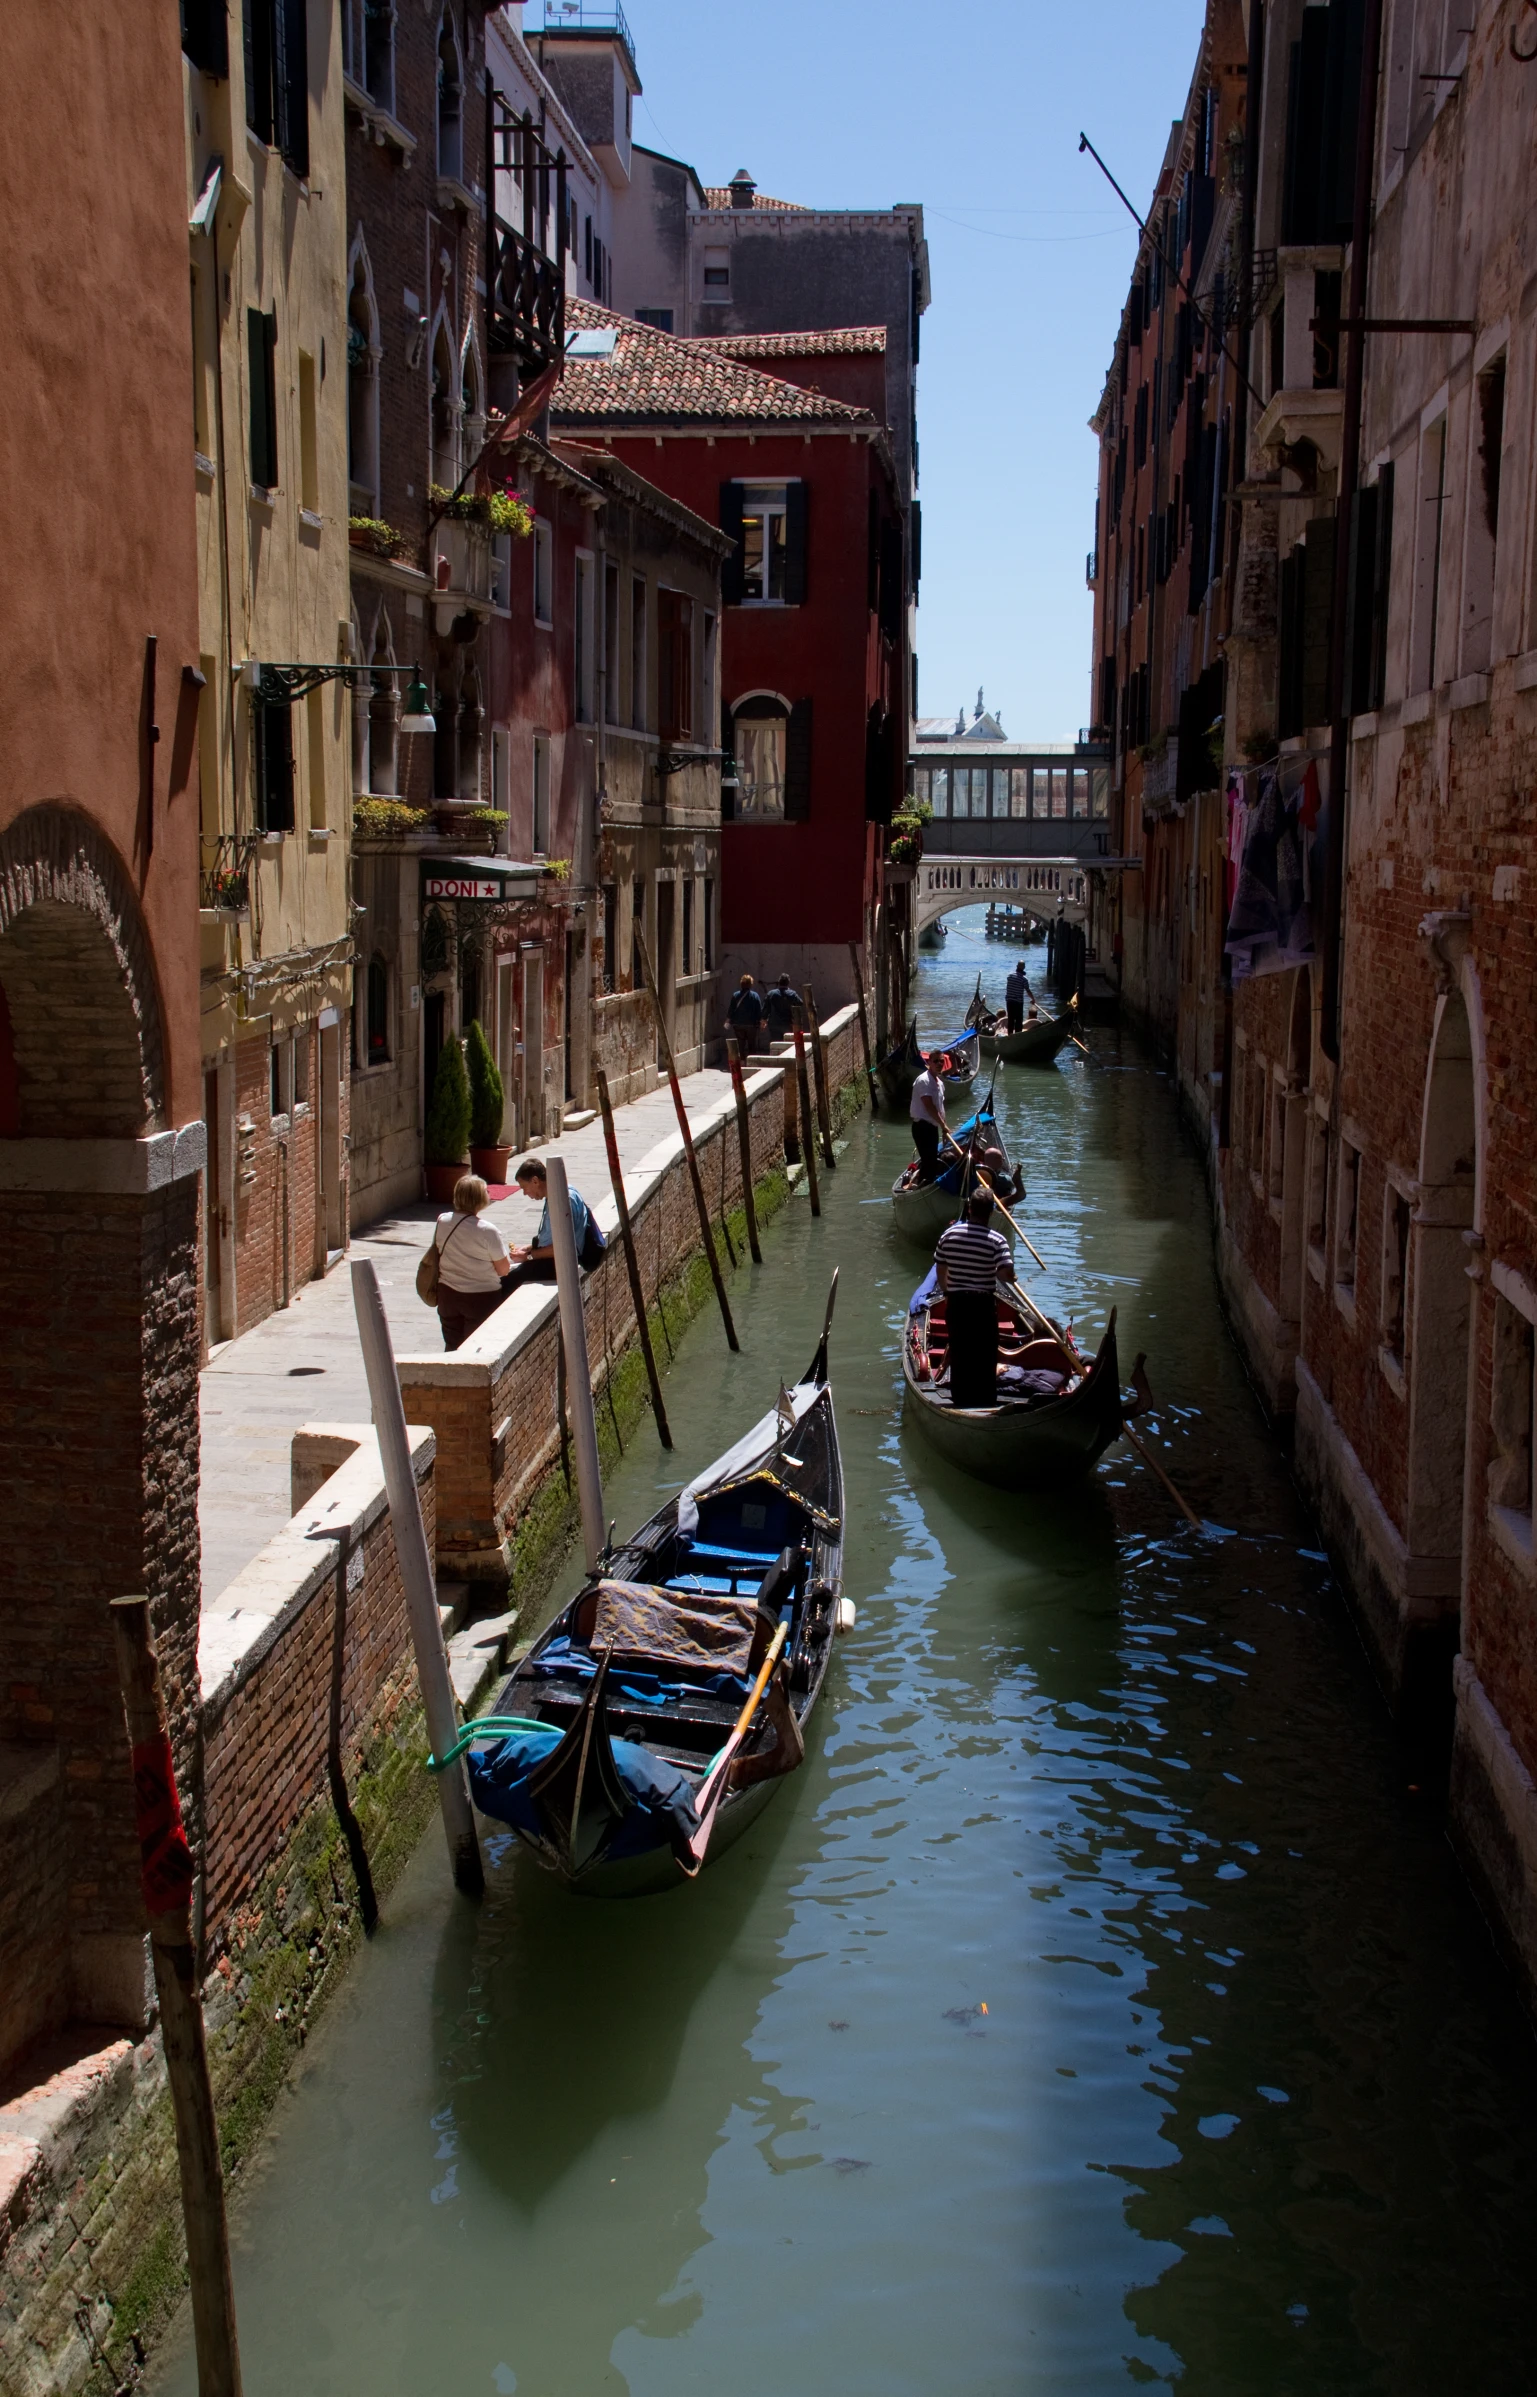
1057 1411
659 1712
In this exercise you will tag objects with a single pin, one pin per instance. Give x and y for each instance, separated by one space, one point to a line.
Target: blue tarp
642 1688
662 1813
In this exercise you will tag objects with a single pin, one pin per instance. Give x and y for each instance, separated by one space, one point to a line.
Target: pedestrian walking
779 1009
474 1263
744 1015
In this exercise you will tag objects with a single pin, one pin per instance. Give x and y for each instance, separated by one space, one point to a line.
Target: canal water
1099 2009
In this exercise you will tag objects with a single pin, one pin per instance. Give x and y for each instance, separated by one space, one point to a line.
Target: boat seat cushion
672 1627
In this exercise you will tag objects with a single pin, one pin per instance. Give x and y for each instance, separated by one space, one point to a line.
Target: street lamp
418 716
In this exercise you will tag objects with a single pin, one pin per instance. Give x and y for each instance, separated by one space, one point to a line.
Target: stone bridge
1044 887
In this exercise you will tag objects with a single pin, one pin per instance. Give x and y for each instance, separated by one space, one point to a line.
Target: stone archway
1440 1309
98 1410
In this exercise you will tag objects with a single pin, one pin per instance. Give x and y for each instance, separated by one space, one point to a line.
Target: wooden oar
717 1772
1019 1232
1148 1458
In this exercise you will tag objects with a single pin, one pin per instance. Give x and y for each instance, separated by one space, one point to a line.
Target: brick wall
279 1229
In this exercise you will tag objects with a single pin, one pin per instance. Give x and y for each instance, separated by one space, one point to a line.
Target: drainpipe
1350 476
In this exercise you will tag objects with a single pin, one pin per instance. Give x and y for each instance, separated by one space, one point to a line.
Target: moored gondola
921 1209
658 1713
1057 1411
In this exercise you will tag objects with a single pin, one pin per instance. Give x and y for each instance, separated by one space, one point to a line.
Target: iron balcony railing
525 280
587 16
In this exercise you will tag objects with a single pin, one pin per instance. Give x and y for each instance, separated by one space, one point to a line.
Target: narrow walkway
304 1364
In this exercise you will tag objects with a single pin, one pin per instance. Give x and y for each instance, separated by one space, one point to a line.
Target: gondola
921 1210
1057 1412
658 1714
899 1069
1034 1044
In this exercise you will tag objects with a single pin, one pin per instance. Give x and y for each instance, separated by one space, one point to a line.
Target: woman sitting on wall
473 1262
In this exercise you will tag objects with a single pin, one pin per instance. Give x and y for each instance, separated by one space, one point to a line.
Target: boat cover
755 1448
662 1812
666 1627
563 1659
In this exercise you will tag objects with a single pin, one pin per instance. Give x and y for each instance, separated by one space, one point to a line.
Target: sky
976 111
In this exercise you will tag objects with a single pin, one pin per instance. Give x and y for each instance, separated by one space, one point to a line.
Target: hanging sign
462 886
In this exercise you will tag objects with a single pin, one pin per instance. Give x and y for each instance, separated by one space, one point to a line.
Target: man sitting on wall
779 1009
536 1263
744 1016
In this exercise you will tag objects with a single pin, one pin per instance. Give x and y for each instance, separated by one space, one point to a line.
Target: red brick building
101 1137
813 649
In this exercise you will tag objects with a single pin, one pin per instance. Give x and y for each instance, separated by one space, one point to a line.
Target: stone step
478 1652
453 1605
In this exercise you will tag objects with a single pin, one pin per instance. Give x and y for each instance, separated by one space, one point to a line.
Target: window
1427 557
501 769
1019 790
1483 520
610 936
610 642
1318 1197
273 763
1099 792
544 572
763 542
1059 790
445 410
709 926
277 78
261 351
1276 1177
279 1068
708 711
205 35
300 1071
309 439
582 632
378 62
637 933
660 319
450 104
1347 1219
362 391
639 663
1395 1271
939 790
501 572
761 727
541 796
1510 1418
688 925
376 1049
315 742
717 277
675 665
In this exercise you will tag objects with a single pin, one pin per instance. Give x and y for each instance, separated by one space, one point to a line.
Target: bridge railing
1016 836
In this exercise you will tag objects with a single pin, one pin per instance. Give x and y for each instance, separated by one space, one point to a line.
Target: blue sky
975 110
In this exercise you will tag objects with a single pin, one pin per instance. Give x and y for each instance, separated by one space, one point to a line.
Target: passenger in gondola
971 1260
927 1110
991 1167
1015 992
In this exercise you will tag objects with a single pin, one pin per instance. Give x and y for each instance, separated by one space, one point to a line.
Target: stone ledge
1470 690
109 1168
1526 671
1493 1821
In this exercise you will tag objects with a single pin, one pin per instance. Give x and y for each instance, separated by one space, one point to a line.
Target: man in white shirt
927 1110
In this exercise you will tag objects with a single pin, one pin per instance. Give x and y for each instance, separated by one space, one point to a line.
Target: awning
488 878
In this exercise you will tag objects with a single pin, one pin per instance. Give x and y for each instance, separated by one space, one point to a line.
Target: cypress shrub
486 1093
447 1138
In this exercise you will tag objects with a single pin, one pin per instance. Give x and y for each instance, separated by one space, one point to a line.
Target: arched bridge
1044 887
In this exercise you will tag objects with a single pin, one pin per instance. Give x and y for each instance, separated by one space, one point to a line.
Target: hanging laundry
1270 925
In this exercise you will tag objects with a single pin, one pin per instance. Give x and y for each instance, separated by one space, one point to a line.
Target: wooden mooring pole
864 1021
805 1129
701 1203
819 1075
744 1142
632 1262
165 1871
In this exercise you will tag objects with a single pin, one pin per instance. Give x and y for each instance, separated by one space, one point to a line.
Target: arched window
384 716
363 355
471 720
472 406
379 52
445 412
377 1040
450 102
761 728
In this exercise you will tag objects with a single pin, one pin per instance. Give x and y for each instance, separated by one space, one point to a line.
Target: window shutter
270 346
258 67
795 545
873 556
291 39
1384 567
798 764
205 35
1362 592
257 358
1304 178
273 734
731 526
916 521
1317 608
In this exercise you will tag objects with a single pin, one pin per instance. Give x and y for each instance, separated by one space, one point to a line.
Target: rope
485 1727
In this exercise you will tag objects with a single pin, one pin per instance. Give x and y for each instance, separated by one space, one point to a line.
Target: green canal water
1100 2008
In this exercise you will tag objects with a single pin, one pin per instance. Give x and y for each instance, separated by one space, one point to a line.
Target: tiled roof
658 378
845 341
718 195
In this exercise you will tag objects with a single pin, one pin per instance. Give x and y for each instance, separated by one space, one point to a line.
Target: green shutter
795 545
798 763
1317 611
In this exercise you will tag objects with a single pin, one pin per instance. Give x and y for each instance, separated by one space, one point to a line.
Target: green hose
485 1727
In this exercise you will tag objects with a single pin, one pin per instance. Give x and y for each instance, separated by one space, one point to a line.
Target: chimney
742 188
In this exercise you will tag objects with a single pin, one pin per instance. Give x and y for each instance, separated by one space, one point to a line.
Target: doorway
666 969
332 1211
1439 1311
434 1028
532 1097
213 1216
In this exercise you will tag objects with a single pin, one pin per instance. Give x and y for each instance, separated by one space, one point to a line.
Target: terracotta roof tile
659 378
718 195
844 341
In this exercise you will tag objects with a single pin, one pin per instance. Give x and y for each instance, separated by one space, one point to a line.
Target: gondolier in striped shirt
972 1259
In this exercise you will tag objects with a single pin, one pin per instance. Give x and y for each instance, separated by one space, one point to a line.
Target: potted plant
488 1151
446 1142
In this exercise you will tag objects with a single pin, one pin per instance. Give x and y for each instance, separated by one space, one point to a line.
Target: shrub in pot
488 1151
446 1142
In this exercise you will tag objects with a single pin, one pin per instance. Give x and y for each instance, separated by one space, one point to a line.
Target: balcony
525 288
461 572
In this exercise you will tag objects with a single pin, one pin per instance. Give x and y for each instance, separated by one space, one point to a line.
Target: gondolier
1015 992
927 1111
971 1260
